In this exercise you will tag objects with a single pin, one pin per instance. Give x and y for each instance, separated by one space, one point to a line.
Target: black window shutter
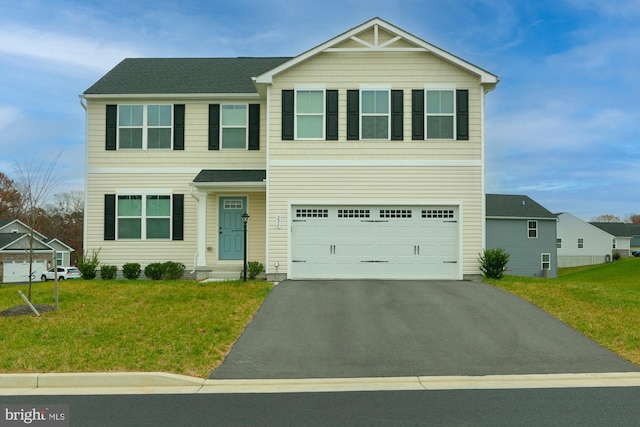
178 127
254 126
332 116
462 114
288 115
178 217
417 114
109 217
353 114
397 109
112 127
214 126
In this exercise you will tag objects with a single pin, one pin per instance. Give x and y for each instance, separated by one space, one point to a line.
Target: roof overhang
231 179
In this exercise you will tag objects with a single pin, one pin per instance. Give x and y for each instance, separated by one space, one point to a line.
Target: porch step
225 272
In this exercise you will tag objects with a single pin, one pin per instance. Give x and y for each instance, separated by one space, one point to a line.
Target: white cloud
61 48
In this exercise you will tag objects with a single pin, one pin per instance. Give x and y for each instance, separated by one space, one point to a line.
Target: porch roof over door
213 178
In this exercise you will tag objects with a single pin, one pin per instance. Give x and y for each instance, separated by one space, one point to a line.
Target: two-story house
362 157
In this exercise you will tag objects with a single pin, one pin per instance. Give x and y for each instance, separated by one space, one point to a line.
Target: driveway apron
368 328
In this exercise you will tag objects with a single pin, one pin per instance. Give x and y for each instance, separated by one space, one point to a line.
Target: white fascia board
118 96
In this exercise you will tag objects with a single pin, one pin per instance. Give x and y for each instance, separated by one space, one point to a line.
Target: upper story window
144 217
580 243
559 243
532 229
233 126
145 126
374 116
440 117
310 111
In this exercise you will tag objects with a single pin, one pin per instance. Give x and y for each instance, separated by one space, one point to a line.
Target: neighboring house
14 252
634 229
526 231
581 243
621 242
359 158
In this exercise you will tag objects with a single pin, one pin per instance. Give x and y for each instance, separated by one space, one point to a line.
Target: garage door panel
375 242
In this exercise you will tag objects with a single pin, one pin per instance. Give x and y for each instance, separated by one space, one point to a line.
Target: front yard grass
184 327
601 301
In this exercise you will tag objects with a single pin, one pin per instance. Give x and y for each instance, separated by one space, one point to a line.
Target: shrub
108 272
88 264
173 270
253 269
154 271
131 270
493 263
616 256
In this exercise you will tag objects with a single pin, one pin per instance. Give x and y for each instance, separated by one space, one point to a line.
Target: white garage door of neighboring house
18 271
386 242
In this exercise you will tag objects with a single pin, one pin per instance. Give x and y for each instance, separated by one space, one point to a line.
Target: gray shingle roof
617 229
220 175
515 206
183 75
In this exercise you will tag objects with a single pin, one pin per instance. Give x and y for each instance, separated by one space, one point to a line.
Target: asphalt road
532 407
325 329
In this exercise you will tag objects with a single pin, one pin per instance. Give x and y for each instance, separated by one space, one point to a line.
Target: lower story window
546 261
144 217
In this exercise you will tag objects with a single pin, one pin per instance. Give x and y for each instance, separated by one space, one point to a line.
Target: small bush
616 256
154 271
253 269
493 263
88 264
108 272
173 270
131 270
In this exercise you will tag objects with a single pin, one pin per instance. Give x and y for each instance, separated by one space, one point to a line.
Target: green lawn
601 301
182 327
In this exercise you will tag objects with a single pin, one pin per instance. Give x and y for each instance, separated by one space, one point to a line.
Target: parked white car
63 273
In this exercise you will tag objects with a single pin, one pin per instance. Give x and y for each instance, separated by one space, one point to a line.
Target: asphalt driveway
337 329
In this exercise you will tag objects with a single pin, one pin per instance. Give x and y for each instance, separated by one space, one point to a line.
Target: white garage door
402 242
18 271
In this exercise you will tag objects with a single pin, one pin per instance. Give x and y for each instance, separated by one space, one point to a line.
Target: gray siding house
526 230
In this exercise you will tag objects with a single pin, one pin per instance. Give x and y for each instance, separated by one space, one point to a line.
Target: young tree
35 181
10 199
65 219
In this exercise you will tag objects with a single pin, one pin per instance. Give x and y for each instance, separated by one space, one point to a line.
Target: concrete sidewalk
164 383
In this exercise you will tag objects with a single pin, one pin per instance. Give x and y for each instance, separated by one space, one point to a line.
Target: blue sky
562 126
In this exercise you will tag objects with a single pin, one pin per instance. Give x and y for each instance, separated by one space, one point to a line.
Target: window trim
310 88
559 243
374 88
453 114
246 126
543 262
535 228
580 243
143 216
145 126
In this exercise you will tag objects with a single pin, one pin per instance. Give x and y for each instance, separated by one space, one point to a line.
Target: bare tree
606 218
35 181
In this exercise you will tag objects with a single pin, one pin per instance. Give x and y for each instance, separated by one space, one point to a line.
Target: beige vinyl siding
378 185
401 71
144 252
256 227
195 155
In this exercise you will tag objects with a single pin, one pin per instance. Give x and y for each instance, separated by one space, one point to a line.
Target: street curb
166 383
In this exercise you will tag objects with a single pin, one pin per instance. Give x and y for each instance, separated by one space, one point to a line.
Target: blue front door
231 236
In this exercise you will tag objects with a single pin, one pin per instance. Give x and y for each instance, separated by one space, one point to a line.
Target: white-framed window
546 261
145 127
532 229
559 243
59 258
440 112
375 108
233 126
580 243
310 113
142 217
613 243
